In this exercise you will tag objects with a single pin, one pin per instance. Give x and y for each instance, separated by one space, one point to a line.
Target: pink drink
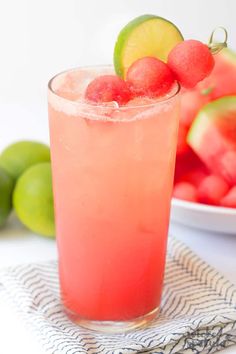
112 177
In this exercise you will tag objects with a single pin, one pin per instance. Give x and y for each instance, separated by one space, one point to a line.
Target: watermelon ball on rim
191 61
108 88
149 77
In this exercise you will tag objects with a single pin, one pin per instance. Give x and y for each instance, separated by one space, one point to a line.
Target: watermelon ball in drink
113 139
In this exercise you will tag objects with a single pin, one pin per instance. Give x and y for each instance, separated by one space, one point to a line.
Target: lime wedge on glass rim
146 35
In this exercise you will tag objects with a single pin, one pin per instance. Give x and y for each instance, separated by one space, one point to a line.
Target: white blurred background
40 38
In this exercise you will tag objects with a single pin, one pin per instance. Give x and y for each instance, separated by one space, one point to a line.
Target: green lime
17 157
33 199
146 35
6 188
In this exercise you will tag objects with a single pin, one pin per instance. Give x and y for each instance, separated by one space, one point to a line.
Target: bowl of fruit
204 193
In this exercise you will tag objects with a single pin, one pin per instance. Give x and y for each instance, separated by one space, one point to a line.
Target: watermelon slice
228 165
221 82
213 137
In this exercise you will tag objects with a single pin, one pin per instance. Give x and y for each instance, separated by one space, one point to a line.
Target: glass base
114 326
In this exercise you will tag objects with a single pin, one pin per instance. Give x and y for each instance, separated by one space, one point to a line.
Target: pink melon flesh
195 176
189 168
212 136
191 101
182 146
222 80
185 191
212 189
229 199
228 166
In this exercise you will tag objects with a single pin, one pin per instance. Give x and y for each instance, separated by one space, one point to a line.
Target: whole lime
6 188
17 157
33 199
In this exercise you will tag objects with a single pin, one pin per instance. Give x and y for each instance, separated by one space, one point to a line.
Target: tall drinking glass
112 180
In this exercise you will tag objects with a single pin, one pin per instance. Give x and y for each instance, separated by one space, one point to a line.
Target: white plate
205 217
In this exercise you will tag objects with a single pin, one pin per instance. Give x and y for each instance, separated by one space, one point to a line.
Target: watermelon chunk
228 166
185 191
195 176
213 137
222 80
182 146
212 189
189 168
191 102
229 200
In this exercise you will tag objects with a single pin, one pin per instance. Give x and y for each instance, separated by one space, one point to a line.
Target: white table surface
17 245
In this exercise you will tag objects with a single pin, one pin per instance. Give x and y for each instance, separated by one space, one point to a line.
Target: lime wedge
146 35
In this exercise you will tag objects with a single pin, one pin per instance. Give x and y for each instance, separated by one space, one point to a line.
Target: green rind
209 112
122 37
229 55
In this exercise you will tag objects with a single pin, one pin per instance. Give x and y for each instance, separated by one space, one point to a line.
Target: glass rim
160 100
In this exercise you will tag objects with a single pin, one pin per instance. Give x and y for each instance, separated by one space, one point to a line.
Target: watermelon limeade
112 178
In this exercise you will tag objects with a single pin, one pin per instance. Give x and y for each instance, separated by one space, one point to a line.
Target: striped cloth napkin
198 311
